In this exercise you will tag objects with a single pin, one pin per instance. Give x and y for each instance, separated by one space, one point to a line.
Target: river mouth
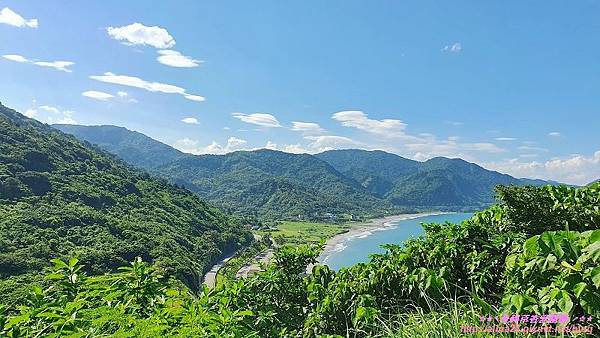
357 246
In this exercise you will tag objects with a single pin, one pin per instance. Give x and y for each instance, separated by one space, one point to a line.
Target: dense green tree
60 198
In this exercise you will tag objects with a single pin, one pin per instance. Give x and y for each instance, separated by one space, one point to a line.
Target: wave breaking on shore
339 243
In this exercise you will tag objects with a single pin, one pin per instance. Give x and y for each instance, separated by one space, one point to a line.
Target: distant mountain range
275 184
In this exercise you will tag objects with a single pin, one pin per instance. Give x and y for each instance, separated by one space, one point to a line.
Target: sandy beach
361 230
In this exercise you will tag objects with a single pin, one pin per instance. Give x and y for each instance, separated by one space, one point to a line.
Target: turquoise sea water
358 248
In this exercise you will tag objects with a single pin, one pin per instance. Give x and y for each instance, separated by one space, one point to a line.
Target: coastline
337 243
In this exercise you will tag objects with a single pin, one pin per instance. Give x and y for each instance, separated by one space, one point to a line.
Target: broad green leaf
595 274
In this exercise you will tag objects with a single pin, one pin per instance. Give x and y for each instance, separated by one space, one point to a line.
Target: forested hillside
447 182
279 185
377 171
59 198
273 184
440 182
530 264
133 147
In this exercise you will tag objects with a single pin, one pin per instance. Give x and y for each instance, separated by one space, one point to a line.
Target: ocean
359 247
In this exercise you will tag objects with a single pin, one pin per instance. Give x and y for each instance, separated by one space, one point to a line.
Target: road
210 278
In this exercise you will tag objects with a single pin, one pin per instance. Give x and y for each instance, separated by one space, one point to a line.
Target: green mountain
273 184
276 184
133 147
444 183
377 170
439 183
60 198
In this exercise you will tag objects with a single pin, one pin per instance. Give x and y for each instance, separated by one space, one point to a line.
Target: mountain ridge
365 182
60 198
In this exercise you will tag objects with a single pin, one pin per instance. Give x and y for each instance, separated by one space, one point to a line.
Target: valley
74 215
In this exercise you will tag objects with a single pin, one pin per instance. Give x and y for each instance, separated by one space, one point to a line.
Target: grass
298 233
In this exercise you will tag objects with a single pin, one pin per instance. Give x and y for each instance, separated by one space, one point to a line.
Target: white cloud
8 17
359 120
132 81
234 142
126 96
16 58
294 149
50 109
196 98
175 59
288 148
97 95
138 34
307 128
431 147
505 139
421 147
51 114
59 65
574 169
453 48
271 145
193 146
190 120
329 142
31 113
260 119
554 134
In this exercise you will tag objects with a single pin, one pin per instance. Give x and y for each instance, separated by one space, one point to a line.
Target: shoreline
336 243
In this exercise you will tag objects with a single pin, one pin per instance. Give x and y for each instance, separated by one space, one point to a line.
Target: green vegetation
59 199
299 233
133 147
273 184
439 183
537 251
280 233
276 185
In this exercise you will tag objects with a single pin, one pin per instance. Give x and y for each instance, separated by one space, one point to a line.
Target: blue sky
513 85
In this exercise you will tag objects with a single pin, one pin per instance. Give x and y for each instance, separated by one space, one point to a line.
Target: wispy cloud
139 34
259 119
421 146
190 120
456 47
574 169
175 59
193 146
97 95
288 148
58 65
9 17
329 142
132 81
360 120
532 148
307 128
51 114
554 134
505 139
